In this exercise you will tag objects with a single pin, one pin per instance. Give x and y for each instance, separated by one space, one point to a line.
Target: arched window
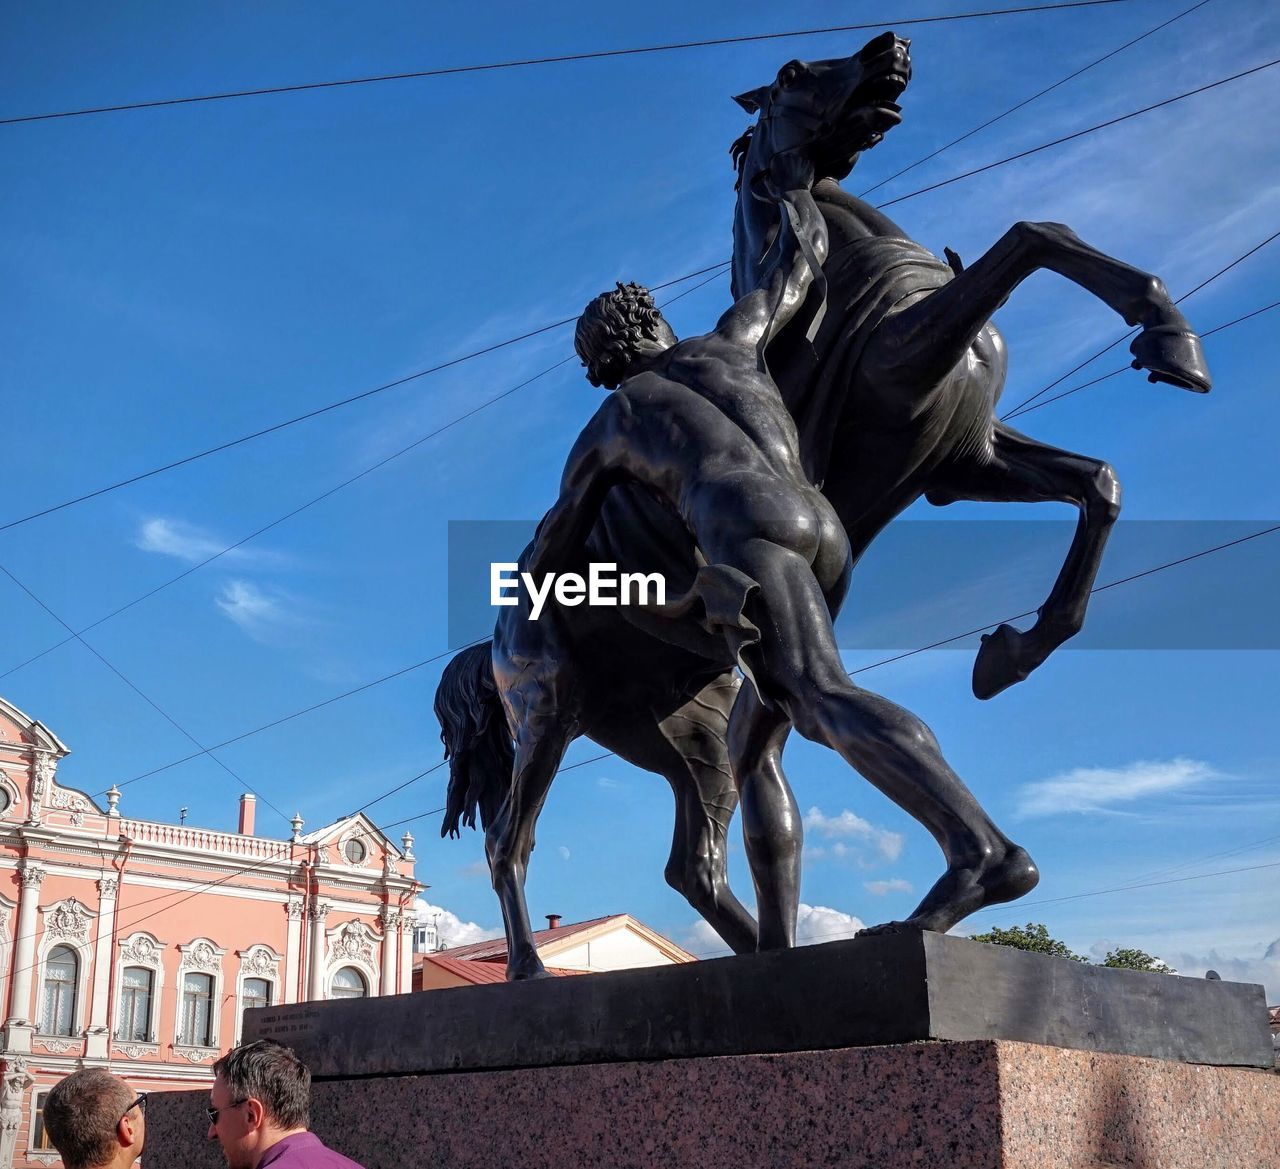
136 985
348 983
257 993
196 1020
57 1005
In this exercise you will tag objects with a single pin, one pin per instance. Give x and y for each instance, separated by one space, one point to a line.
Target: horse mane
738 152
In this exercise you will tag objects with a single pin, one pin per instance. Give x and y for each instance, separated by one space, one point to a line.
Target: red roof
469 970
495 950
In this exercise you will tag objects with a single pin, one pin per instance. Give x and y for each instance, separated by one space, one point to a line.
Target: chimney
247 804
553 921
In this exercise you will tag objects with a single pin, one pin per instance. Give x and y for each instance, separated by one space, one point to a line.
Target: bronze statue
891 371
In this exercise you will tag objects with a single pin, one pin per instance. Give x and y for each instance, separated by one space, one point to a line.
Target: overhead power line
1168 101
143 695
719 271
1021 407
1034 97
400 673
558 59
231 443
1127 368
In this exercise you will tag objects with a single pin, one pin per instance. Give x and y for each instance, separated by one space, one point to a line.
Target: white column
390 919
318 911
292 950
407 922
24 948
98 1007
99 1041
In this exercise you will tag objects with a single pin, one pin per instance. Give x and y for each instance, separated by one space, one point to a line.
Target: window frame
77 978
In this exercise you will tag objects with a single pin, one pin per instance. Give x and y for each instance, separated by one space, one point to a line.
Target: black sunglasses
214 1113
140 1104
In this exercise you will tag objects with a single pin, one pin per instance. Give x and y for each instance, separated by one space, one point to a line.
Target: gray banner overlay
924 581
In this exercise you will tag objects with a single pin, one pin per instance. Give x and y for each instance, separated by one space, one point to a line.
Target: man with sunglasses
95 1120
259 1110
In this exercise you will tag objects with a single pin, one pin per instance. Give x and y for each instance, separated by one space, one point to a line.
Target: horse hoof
1172 353
888 927
996 667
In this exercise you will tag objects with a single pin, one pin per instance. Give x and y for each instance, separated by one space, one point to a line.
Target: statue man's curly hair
610 330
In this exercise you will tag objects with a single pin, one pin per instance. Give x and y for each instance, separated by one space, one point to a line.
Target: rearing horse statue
909 367
892 375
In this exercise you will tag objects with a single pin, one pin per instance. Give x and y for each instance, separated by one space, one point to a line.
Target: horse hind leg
687 747
1020 470
919 344
541 742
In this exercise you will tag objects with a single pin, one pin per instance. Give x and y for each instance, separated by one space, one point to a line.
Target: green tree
1129 959
1033 936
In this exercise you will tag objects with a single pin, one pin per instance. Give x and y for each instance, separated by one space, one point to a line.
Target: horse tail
473 729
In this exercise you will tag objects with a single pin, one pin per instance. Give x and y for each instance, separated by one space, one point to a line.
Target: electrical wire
1168 101
143 695
231 443
1034 97
1021 406
558 59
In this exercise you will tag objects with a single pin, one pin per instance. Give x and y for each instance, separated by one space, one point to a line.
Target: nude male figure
702 425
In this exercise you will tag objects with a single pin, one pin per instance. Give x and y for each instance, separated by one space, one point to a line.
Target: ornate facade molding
293 908
109 886
195 1054
30 876
141 949
137 1050
259 962
67 921
389 916
352 942
58 1046
319 910
201 955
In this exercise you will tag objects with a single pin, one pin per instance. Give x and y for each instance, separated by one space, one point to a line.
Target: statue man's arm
790 270
588 475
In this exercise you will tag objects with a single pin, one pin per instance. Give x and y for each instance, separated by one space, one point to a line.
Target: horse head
830 111
827 113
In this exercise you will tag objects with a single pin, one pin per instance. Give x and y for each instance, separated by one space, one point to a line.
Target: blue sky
177 277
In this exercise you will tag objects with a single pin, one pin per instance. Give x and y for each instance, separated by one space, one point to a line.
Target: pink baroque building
137 945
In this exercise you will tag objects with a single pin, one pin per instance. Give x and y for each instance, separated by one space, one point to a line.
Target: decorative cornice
67 920
30 877
353 941
201 955
137 1050
142 948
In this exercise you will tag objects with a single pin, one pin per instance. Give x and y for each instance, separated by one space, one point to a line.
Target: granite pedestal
883 1051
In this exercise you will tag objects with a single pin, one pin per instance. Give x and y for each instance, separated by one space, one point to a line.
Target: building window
355 851
257 993
196 1021
348 983
135 1004
40 1138
57 1006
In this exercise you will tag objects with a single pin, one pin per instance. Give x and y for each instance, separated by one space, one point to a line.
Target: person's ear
126 1131
255 1113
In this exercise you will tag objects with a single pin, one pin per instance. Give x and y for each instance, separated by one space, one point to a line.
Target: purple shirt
305 1150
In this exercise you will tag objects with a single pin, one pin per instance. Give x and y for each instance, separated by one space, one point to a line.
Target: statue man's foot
527 972
1172 353
1005 657
1002 875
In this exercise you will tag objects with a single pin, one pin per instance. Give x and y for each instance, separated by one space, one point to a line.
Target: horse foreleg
1017 469
917 345
540 745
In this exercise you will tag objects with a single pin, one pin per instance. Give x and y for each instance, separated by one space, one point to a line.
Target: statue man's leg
798 665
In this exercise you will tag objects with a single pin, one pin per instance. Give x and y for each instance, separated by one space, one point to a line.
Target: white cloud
892 885
180 540
702 940
819 923
1264 968
259 613
1096 789
610 785
848 826
452 930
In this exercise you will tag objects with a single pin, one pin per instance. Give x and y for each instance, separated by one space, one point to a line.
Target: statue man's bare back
702 425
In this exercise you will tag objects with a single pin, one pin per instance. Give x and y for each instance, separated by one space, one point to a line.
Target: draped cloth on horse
866 279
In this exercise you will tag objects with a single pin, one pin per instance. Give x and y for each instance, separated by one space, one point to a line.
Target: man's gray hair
81 1116
271 1073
